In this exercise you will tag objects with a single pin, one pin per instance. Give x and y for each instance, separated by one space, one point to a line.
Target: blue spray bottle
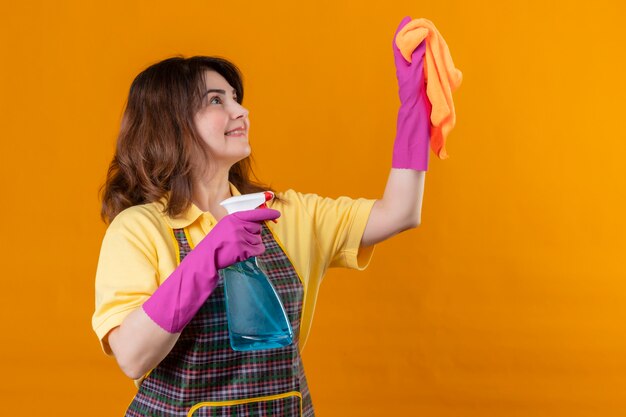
256 316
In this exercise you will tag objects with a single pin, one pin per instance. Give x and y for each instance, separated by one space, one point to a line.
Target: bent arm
400 208
139 344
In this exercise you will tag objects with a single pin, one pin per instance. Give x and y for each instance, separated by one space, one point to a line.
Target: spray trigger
268 196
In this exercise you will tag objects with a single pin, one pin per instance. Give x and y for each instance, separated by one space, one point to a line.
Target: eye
215 98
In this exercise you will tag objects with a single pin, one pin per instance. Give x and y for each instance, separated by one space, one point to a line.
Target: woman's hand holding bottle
236 237
148 334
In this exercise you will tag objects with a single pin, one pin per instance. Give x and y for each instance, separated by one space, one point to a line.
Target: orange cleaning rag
440 75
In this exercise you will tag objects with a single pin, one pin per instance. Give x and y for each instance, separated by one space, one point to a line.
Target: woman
182 149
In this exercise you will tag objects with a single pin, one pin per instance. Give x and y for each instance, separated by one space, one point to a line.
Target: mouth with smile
237 132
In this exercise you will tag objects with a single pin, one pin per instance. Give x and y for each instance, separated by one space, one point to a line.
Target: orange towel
439 74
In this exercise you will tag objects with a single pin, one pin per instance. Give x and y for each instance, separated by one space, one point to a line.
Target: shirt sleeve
338 225
126 275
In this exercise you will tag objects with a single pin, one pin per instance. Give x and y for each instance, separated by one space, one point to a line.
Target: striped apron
204 376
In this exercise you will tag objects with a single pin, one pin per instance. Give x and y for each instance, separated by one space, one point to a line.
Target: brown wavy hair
158 139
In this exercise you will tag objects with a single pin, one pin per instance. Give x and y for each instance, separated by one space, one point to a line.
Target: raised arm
401 206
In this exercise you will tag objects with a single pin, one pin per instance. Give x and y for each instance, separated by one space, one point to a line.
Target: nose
239 111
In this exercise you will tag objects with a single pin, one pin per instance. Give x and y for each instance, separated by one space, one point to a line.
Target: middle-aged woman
183 148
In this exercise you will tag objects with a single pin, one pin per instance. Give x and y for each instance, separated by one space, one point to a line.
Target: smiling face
222 122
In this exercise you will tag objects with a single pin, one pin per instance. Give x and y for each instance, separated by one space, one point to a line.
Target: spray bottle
256 316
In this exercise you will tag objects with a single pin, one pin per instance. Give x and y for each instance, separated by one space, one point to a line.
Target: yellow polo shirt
138 251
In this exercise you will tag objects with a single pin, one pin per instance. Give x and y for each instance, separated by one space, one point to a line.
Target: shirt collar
192 214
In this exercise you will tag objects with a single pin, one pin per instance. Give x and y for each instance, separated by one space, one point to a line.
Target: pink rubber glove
236 237
410 149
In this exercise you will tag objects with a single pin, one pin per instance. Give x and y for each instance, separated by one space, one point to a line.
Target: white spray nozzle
246 201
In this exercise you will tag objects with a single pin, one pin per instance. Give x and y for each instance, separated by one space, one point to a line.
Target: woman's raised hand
410 149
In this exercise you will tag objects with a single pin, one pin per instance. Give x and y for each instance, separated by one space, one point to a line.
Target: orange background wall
509 300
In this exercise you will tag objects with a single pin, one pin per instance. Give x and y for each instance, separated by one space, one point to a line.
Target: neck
210 190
